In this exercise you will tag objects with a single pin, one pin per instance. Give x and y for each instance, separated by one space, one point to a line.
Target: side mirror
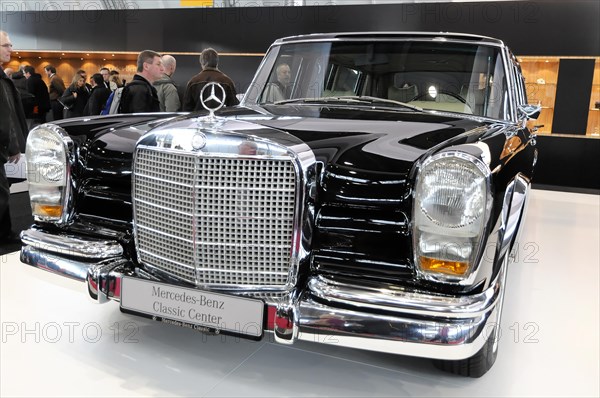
529 111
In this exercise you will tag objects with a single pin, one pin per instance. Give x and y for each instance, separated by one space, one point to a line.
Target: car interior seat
475 97
401 90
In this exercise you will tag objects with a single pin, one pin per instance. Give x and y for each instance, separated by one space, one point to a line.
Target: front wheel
475 366
482 361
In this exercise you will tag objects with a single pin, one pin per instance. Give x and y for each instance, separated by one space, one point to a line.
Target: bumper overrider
388 319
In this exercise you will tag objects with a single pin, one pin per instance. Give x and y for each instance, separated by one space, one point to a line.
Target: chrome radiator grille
215 220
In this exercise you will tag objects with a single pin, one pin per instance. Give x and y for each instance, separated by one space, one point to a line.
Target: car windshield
432 75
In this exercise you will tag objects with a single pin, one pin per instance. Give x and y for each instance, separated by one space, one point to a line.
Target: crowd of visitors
152 89
27 100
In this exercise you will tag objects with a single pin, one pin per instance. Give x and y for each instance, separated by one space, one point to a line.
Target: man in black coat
37 87
13 131
139 95
98 96
27 99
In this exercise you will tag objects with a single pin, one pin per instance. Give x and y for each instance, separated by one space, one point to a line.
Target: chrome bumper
95 261
387 320
393 321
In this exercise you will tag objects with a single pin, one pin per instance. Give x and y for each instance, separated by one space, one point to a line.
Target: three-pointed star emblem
215 96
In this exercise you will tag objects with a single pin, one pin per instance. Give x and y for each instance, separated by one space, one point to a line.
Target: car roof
390 35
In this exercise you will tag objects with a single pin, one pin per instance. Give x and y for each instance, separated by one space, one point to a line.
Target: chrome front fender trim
430 338
71 246
103 280
58 264
53 263
405 301
516 211
399 322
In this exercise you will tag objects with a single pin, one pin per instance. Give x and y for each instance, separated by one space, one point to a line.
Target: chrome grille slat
221 221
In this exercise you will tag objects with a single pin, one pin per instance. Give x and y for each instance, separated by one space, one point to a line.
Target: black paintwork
363 204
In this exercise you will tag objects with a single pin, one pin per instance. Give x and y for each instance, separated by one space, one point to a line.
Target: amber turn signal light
54 211
443 266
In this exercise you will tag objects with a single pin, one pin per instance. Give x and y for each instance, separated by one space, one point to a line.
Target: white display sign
197 309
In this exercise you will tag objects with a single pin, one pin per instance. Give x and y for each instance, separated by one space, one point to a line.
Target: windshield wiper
353 99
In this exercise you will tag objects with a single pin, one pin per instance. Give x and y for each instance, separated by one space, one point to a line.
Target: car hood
361 153
349 135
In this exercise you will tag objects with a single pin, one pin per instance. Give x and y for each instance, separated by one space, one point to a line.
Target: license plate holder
193 308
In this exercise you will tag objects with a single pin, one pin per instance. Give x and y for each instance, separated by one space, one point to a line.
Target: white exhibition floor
57 342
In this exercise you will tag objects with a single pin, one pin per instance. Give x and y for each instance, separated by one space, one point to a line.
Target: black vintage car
368 192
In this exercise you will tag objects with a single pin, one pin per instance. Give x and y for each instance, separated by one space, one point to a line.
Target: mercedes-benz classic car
368 192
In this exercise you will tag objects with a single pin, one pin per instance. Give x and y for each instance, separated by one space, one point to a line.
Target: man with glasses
139 95
13 131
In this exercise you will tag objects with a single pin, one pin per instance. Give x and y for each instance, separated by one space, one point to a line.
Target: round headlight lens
47 172
452 193
449 214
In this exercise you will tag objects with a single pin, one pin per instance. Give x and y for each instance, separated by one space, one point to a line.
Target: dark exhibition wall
548 28
551 27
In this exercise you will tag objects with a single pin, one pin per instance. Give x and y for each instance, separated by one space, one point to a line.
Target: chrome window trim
386 35
510 83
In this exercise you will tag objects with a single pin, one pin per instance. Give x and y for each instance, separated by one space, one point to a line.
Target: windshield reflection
453 77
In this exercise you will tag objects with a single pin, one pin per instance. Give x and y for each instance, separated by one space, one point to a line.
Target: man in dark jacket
13 131
55 90
20 82
209 61
98 96
19 79
139 95
37 87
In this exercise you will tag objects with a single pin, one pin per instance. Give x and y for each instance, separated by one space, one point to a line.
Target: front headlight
48 172
451 206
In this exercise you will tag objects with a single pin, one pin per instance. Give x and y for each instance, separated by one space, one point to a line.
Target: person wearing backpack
139 95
